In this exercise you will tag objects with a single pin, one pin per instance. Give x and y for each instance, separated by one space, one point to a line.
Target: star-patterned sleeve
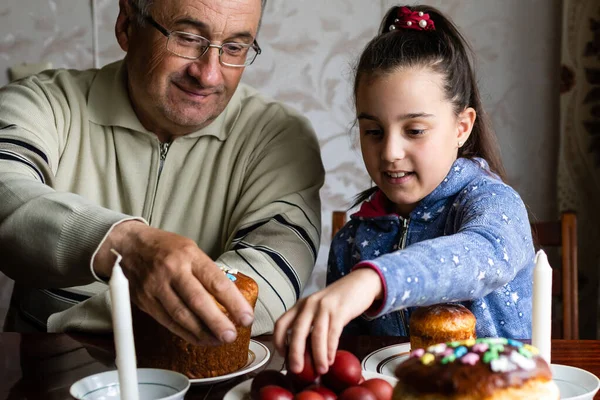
340 264
491 244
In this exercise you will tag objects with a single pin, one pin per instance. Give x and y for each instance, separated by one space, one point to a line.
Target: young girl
440 225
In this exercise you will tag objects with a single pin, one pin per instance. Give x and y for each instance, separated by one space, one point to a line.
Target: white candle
541 322
123 333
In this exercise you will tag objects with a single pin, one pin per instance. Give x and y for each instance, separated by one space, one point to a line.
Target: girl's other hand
326 312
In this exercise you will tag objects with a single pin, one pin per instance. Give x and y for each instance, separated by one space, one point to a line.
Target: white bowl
574 383
153 384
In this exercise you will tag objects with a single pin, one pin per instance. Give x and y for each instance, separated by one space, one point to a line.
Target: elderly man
166 158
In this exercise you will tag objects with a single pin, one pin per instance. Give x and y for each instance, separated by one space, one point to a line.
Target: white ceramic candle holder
153 384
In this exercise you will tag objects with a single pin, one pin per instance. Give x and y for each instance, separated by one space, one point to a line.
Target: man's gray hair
145 5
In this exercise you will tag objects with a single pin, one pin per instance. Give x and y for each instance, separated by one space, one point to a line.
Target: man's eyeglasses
192 47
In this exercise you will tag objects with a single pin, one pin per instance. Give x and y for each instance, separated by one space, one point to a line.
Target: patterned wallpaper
309 49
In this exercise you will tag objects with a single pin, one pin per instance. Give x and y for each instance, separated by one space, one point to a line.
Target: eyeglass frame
168 35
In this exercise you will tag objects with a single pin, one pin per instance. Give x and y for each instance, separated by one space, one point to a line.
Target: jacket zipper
163 150
401 245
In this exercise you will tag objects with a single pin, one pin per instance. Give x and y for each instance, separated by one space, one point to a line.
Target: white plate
153 384
258 355
242 390
385 360
575 383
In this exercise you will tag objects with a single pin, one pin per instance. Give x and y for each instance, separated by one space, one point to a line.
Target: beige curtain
579 158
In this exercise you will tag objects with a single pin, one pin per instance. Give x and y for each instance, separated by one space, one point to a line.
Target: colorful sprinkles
502 355
470 358
230 273
427 358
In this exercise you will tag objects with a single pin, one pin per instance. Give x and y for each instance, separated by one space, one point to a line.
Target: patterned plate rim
404 349
253 363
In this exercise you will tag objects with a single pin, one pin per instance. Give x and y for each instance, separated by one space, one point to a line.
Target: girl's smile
398 177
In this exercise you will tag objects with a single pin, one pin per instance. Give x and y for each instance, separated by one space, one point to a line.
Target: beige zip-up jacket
75 161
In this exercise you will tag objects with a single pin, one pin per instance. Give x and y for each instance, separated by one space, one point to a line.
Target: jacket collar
462 172
109 105
378 206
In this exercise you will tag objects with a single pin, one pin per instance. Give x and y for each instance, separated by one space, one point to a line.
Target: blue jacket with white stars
468 241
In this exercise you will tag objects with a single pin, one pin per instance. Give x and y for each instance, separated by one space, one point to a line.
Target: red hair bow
408 19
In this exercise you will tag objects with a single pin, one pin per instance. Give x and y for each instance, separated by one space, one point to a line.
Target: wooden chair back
562 234
338 220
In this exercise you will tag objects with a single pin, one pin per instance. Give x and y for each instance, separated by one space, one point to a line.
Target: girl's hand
326 312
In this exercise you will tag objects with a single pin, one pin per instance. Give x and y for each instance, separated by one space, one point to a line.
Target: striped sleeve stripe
300 232
281 262
7 155
24 144
301 209
243 232
65 295
263 278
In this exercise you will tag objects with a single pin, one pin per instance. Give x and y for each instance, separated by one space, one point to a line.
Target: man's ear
465 122
123 25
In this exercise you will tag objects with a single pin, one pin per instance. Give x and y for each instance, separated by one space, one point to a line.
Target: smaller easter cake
475 369
441 323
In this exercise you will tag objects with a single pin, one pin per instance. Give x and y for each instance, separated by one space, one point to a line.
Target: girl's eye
415 132
373 132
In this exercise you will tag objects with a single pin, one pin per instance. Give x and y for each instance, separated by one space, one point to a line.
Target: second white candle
541 321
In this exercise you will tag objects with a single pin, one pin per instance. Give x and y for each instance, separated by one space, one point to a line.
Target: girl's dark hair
445 51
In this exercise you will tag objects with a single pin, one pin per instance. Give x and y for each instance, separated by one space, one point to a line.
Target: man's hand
171 279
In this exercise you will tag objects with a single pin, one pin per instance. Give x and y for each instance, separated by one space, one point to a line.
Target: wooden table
44 366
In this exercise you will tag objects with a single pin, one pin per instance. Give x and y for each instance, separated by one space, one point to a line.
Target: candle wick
116 253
